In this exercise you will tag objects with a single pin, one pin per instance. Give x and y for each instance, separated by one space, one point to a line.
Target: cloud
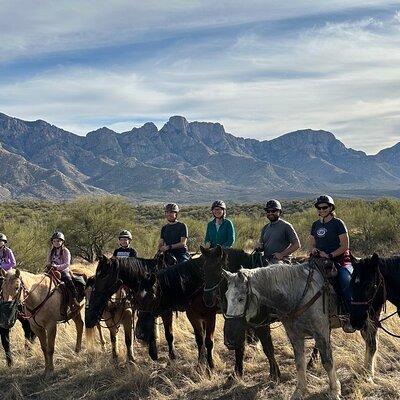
260 79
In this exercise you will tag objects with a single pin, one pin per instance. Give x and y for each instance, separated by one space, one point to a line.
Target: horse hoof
172 355
297 395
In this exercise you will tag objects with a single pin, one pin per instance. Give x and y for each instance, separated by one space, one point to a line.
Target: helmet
171 207
3 237
273 204
324 199
125 234
218 203
58 235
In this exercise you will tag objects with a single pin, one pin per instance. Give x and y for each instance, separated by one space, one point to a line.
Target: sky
260 68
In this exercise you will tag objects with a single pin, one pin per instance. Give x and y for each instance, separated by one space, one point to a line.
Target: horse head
366 282
215 261
12 284
148 294
106 283
242 306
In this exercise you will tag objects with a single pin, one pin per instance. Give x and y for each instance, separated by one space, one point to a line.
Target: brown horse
41 301
117 312
180 288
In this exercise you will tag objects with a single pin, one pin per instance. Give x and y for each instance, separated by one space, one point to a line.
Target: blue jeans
344 278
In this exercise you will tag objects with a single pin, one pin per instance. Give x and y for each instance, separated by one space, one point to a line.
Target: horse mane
278 277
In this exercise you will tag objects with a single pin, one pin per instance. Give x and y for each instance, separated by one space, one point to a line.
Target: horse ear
241 275
218 250
17 273
228 275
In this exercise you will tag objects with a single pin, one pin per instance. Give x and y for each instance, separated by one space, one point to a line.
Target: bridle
249 293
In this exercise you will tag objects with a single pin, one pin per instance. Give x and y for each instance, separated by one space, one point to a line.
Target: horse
180 288
374 280
215 287
42 300
299 295
117 312
110 275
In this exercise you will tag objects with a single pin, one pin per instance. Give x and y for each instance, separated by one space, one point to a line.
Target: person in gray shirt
278 239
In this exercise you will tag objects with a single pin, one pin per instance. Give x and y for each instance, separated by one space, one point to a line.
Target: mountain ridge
189 161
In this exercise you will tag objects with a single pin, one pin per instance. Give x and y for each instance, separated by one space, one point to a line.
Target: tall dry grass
82 376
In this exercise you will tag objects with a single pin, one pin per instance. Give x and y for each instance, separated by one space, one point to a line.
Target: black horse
214 294
374 280
180 288
110 275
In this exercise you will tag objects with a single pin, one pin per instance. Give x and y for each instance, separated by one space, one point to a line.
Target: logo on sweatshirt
321 232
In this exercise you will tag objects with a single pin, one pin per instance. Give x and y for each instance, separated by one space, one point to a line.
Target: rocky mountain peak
176 124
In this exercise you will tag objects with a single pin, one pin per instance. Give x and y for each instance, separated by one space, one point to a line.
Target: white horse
301 310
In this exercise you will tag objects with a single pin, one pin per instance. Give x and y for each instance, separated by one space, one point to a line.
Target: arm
311 245
67 261
179 245
294 245
344 245
10 263
230 230
207 239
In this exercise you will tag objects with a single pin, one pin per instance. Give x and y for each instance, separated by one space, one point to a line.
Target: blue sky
258 67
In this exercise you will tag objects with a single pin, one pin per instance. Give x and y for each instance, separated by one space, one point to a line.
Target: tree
92 223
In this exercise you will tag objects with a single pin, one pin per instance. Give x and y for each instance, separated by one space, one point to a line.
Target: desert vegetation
91 225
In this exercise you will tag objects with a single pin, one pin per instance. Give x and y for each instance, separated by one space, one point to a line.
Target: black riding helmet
218 203
171 207
57 235
273 204
324 199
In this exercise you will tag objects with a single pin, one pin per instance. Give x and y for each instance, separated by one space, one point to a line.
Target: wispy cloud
261 70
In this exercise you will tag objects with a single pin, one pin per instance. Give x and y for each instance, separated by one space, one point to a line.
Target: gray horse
292 292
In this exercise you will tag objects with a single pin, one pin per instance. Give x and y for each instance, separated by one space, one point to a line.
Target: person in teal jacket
220 230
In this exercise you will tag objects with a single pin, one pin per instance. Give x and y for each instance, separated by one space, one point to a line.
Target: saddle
67 310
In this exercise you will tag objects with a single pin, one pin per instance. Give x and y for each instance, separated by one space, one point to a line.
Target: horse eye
357 280
241 300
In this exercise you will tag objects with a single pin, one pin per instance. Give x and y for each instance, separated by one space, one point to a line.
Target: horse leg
300 360
313 358
209 342
42 335
322 341
51 337
264 334
5 341
370 335
114 340
101 337
77 318
198 328
239 355
89 334
169 337
127 322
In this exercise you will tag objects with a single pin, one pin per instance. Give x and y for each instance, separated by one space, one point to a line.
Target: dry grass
83 377
80 376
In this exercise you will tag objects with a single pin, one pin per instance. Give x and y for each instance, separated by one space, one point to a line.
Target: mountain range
185 162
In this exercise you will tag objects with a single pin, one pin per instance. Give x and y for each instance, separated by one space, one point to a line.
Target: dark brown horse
111 274
180 288
215 287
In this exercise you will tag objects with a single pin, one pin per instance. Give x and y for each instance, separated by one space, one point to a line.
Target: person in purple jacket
7 259
59 258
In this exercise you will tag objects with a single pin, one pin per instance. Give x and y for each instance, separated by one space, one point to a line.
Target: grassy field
80 376
372 226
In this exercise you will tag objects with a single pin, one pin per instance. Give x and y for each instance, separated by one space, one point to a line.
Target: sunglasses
322 207
271 211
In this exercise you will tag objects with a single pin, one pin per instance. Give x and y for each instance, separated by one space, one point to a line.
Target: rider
329 238
59 258
220 230
125 250
174 235
278 238
7 259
